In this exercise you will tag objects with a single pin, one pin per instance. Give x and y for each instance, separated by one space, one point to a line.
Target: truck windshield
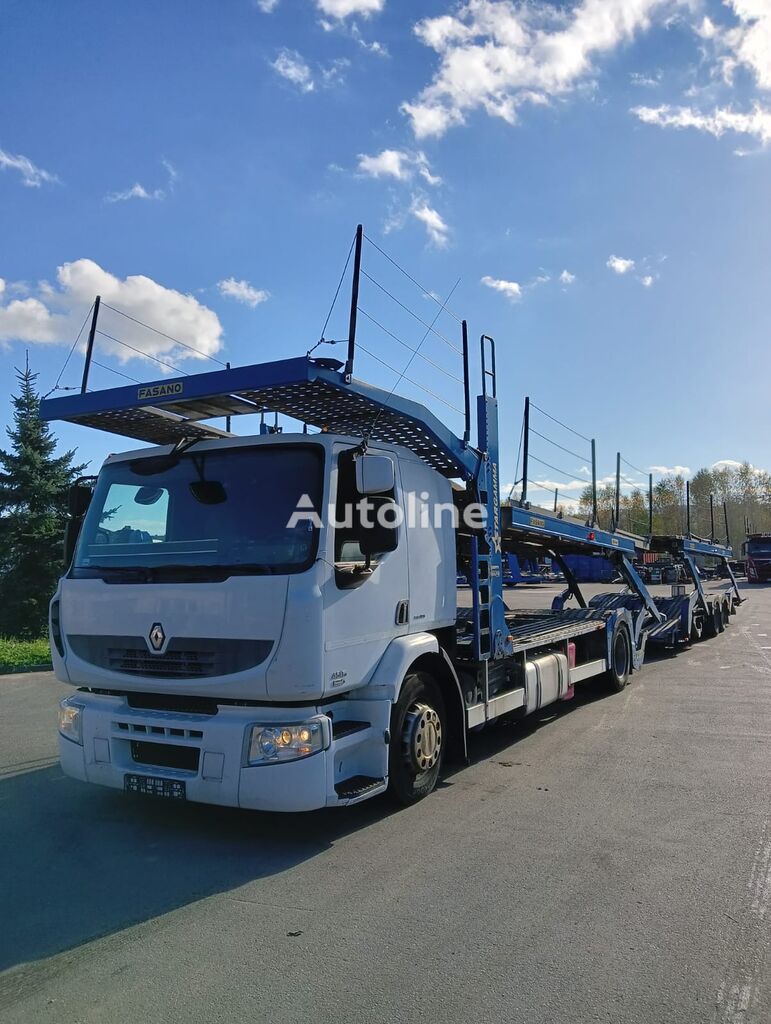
759 547
205 513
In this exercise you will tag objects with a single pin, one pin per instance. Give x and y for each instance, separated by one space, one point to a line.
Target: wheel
717 615
418 739
725 612
620 660
697 627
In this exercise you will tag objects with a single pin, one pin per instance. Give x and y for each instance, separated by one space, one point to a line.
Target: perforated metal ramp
311 391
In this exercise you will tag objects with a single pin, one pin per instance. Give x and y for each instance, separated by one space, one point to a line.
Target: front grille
165 755
184 664
184 657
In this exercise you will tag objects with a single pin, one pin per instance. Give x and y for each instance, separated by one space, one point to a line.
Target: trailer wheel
725 611
418 739
697 627
620 660
717 615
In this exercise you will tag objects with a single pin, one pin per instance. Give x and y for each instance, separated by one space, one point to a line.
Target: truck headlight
274 742
71 720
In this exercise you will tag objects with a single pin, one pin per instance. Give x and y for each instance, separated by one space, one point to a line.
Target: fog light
71 720
269 744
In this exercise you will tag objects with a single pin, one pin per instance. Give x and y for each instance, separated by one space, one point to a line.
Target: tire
725 612
418 739
697 627
717 615
620 660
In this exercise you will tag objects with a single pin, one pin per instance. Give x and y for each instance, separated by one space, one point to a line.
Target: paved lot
610 862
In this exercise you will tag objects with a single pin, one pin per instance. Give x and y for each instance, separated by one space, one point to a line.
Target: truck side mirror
374 474
78 499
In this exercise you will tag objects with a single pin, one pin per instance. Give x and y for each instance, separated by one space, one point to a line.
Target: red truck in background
757 551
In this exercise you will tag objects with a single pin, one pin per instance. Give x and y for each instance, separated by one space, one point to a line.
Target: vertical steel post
556 496
227 418
525 451
90 345
594 483
725 519
466 392
618 490
711 518
354 300
650 504
688 508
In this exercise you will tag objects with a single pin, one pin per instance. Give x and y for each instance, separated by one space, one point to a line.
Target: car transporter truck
270 622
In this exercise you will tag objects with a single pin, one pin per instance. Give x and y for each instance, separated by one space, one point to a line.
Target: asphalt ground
607 861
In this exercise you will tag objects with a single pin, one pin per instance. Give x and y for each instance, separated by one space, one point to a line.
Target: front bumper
111 729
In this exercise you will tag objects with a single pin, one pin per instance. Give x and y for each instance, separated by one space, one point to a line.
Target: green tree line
745 491
34 482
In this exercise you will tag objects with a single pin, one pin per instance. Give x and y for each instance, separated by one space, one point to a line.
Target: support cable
403 376
582 458
409 347
430 327
145 355
113 370
69 356
425 291
570 476
176 341
555 420
322 339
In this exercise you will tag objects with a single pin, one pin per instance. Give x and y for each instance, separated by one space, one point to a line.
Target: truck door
366 605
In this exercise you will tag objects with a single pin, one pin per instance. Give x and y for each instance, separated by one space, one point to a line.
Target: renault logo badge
157 636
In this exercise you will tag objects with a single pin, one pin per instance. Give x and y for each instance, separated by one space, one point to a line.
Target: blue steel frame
318 392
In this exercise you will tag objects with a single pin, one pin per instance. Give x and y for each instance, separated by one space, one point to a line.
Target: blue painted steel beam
277 380
539 525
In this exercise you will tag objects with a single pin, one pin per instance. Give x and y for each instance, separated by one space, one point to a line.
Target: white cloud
567 278
31 175
243 292
266 6
344 8
748 44
390 163
398 164
560 485
757 123
2 285
645 81
498 56
619 265
334 72
437 229
646 281
55 314
511 289
291 66
670 470
136 191
735 464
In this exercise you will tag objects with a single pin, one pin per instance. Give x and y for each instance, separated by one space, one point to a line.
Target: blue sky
596 174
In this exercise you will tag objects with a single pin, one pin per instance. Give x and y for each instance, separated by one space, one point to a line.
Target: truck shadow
79 862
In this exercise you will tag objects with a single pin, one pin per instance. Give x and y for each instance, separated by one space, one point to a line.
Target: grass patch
21 654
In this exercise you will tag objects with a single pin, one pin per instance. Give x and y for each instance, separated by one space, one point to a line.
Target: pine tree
33 504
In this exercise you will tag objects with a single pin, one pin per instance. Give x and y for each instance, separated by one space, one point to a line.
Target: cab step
357 786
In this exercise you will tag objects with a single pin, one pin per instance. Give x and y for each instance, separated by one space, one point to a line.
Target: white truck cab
238 637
